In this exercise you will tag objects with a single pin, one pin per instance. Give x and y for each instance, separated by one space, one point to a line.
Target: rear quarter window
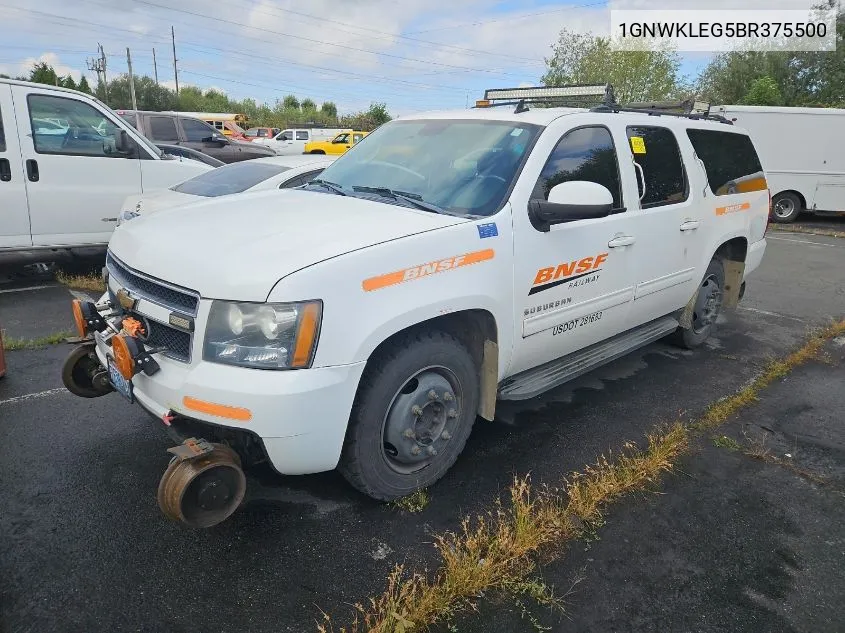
730 161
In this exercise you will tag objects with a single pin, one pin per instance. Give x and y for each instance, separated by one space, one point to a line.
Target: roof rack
597 97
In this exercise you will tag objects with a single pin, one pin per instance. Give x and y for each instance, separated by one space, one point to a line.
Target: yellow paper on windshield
637 145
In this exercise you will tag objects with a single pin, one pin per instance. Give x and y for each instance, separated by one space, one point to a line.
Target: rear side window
302 136
586 153
163 128
2 134
730 161
655 150
131 119
233 178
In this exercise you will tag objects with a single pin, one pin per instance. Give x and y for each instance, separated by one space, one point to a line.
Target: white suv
449 260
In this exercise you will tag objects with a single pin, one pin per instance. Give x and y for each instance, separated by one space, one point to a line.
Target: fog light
86 318
130 356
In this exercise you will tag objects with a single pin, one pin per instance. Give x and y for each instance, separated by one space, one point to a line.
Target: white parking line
33 396
787 239
27 288
767 313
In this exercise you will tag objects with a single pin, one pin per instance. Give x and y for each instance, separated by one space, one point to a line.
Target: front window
287 135
341 138
464 167
62 125
228 179
196 131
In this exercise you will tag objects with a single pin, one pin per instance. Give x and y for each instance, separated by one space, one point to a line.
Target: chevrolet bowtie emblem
126 300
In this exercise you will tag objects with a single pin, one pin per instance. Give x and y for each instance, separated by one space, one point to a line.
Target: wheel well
470 327
797 193
735 249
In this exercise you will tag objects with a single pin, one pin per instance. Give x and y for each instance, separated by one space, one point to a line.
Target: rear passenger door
670 222
196 131
14 210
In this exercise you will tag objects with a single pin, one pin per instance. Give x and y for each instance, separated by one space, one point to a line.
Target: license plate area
120 384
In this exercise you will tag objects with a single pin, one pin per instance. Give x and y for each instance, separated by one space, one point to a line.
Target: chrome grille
164 294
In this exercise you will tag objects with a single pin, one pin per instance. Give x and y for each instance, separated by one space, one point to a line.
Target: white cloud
23 68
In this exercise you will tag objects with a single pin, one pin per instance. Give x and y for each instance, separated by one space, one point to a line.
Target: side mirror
216 139
122 143
570 201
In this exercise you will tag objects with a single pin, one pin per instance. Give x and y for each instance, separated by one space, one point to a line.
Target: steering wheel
382 163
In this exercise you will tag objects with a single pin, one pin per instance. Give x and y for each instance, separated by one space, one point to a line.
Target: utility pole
175 72
103 63
131 79
155 67
97 66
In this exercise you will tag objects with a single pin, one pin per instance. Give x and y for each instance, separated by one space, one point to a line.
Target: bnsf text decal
426 270
556 275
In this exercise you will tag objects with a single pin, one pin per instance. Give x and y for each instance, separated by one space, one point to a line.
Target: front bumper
300 415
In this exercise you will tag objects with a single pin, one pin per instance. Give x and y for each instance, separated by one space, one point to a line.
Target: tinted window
293 182
2 134
587 154
228 179
357 137
67 126
302 136
341 138
262 132
656 151
131 119
287 135
730 161
195 131
163 128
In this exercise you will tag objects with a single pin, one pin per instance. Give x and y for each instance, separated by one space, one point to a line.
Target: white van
292 141
67 162
447 261
802 152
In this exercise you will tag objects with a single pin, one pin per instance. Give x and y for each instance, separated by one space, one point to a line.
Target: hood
238 247
164 199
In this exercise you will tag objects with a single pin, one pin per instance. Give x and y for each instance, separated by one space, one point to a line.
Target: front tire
412 415
708 306
786 207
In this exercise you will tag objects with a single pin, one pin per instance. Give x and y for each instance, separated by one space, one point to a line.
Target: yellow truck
338 145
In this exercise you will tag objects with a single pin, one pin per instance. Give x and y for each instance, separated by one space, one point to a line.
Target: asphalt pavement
733 544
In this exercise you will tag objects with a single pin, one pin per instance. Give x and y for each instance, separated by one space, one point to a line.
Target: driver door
75 179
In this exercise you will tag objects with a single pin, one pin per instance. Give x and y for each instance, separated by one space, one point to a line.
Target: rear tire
317 151
79 370
786 207
412 415
708 306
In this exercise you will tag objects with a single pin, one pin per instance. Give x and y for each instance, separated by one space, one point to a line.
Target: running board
533 382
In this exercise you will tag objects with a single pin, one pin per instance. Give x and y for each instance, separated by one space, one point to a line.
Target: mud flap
489 380
734 272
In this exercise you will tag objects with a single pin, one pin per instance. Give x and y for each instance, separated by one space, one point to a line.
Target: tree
43 73
290 103
329 109
763 92
83 85
378 114
583 58
67 82
308 105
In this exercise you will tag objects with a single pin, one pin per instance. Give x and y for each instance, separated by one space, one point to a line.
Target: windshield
228 179
465 167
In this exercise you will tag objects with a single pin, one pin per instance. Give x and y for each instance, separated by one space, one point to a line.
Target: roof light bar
545 92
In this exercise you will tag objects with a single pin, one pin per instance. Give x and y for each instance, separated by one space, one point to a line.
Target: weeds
13 344
806 230
91 281
414 502
498 550
723 441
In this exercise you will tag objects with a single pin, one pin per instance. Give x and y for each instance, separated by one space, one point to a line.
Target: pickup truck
174 129
338 145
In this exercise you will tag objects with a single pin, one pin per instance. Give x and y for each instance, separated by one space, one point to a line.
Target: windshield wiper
328 185
412 198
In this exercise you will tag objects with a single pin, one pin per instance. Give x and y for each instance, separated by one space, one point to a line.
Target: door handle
690 225
32 169
622 240
5 170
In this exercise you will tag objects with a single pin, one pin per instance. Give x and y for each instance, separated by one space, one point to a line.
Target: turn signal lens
78 319
306 335
123 357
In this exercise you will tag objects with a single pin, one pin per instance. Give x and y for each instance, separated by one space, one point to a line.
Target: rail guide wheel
203 484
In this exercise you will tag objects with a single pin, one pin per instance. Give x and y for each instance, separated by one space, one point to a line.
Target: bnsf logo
575 267
433 267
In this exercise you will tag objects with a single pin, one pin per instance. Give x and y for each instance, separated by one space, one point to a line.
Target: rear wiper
328 185
412 198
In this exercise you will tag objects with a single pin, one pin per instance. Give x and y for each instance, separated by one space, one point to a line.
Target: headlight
262 335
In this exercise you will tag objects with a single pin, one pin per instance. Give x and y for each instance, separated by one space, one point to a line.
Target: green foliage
83 86
308 105
329 109
763 92
290 103
43 73
583 58
68 82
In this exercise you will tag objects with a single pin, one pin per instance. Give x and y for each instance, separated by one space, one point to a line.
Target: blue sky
411 54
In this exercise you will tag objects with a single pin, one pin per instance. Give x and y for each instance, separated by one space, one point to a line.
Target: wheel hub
707 305
213 495
784 208
421 420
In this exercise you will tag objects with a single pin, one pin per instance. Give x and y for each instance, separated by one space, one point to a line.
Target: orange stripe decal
733 208
425 270
220 410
